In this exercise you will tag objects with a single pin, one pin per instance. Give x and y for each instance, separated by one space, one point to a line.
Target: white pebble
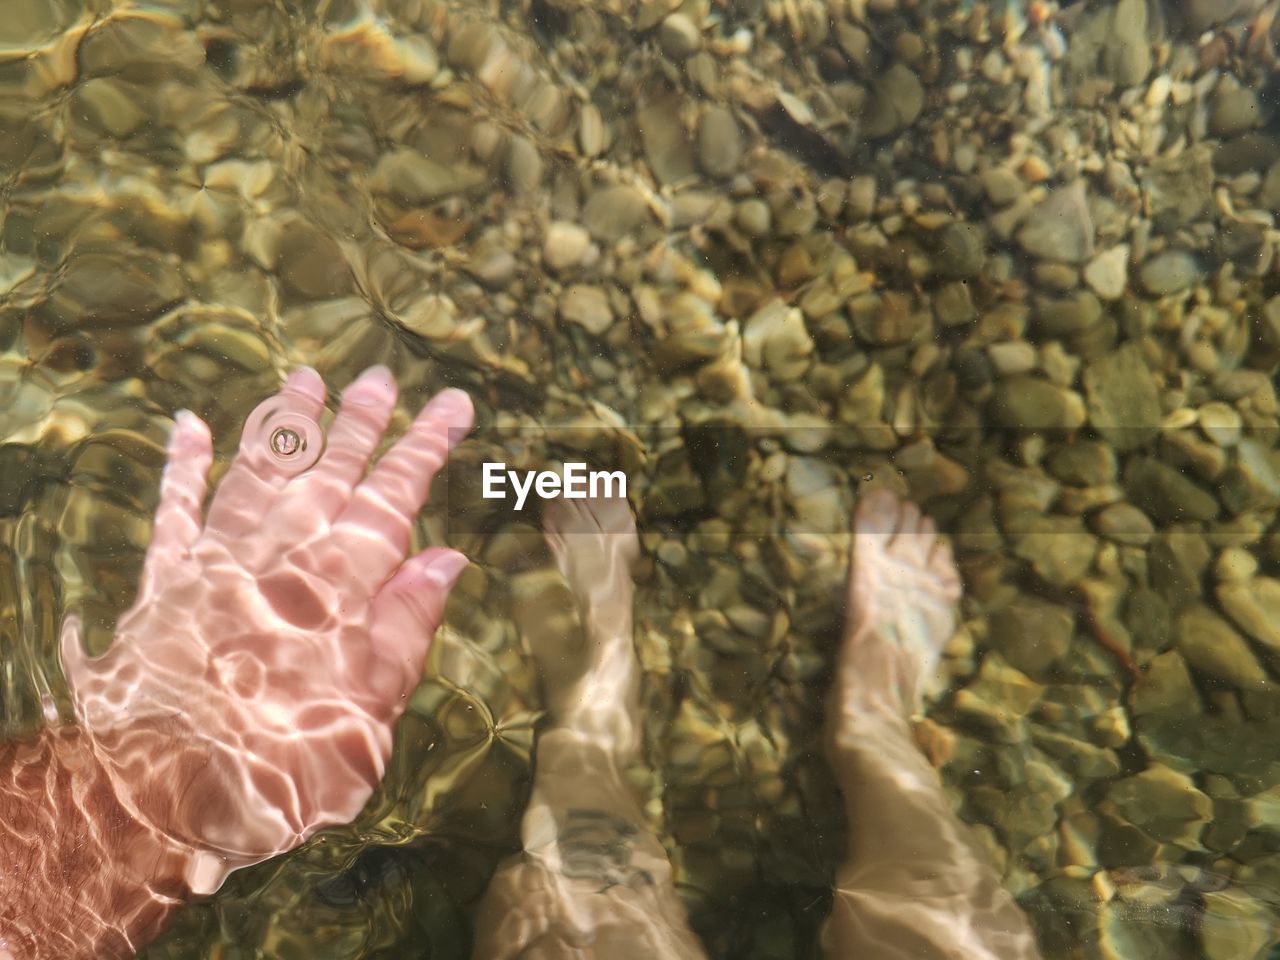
1159 91
1220 423
565 245
1235 564
1012 358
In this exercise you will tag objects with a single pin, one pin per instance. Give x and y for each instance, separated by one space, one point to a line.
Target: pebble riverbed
1016 260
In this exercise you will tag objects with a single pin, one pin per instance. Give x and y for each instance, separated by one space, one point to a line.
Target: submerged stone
1212 646
1254 606
1163 803
1123 398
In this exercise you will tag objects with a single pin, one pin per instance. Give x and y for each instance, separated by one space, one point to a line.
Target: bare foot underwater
913 884
593 882
249 696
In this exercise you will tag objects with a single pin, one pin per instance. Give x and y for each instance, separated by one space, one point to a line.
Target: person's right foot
903 590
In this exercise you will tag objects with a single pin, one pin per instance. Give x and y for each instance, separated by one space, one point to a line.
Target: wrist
150 726
167 785
84 876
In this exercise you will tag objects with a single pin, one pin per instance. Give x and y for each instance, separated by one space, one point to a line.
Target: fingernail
184 421
370 388
444 569
307 381
451 404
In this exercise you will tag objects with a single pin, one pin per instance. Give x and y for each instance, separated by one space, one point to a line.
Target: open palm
249 696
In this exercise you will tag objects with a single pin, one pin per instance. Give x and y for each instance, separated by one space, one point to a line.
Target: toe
877 512
909 518
562 516
942 565
916 538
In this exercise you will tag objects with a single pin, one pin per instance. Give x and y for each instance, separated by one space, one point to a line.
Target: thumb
409 606
183 486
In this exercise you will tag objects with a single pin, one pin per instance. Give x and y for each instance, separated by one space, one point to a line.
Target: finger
406 612
182 490
367 405
375 528
75 662
250 486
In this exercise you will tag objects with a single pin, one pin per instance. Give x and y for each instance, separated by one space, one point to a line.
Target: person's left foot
592 881
595 545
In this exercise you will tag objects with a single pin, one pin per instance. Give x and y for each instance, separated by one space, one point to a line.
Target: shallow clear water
1013 261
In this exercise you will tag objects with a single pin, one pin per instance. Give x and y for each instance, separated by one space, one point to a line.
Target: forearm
80 877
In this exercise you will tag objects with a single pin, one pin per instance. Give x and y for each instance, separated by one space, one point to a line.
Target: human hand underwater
249 696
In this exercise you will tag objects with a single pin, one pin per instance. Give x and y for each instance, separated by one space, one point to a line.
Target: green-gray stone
1162 803
1146 925
1180 188
1126 53
719 142
1254 606
1030 403
1083 463
1168 273
1066 316
110 105
1234 108
1059 549
999 697
1032 634
1082 759
961 250
1166 494
1121 844
1236 926
125 287
1147 615
1123 398
1229 825
1165 688
613 212
1252 482
411 178
1124 523
1193 742
1212 646
1060 228
1178 559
